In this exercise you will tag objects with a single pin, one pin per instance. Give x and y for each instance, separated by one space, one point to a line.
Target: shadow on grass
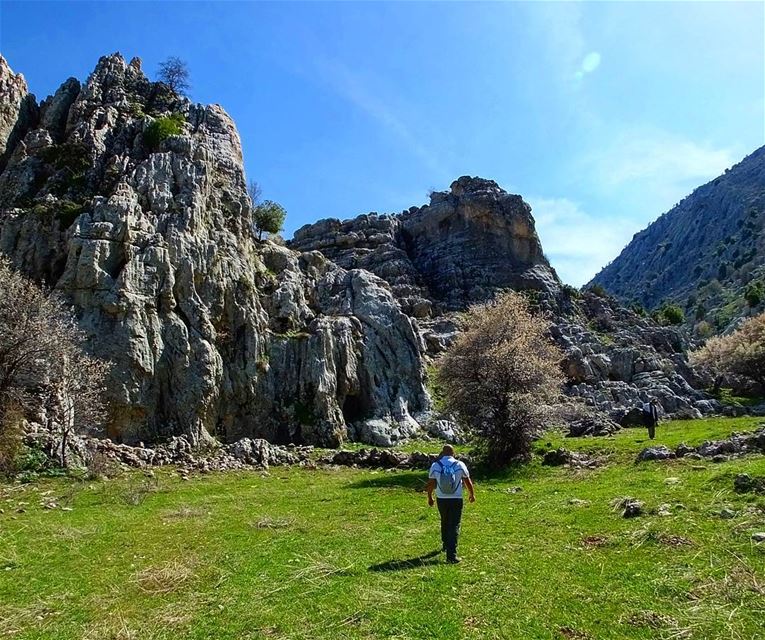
414 480
410 563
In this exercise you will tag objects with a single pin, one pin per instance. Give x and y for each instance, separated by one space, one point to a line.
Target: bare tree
174 72
500 374
43 367
255 192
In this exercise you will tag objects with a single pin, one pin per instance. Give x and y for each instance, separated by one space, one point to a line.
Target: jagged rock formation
147 231
703 252
18 110
150 239
466 244
475 239
615 360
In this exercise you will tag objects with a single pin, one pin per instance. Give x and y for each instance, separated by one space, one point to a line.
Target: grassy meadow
346 553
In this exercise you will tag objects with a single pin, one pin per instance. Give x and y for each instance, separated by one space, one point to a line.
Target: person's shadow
409 563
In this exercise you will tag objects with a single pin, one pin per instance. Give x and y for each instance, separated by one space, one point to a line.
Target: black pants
451 515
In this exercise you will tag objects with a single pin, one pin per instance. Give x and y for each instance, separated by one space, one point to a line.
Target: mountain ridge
702 253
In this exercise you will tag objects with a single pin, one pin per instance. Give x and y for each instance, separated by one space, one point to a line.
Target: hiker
446 476
651 416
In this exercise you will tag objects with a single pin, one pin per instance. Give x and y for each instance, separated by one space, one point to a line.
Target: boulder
660 452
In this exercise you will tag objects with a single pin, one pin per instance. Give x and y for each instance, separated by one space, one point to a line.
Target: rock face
132 203
707 246
151 240
476 239
616 360
18 110
465 245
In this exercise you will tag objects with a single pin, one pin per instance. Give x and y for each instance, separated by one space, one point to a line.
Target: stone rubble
178 451
718 450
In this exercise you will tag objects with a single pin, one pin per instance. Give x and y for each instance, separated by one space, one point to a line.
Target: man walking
651 417
446 476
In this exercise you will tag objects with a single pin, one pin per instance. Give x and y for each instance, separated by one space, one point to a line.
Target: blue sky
601 115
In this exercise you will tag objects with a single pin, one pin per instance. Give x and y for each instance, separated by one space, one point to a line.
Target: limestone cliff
151 240
131 202
466 244
476 239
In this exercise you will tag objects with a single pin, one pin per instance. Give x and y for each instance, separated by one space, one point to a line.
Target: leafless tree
174 72
43 367
254 191
500 374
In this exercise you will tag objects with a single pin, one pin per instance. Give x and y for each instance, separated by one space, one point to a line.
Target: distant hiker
651 416
446 476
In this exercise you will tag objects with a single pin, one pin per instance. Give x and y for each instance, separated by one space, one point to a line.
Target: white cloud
650 170
577 244
646 154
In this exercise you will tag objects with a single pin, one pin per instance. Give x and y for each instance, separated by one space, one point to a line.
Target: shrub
268 216
671 314
162 128
499 374
572 292
740 353
10 441
101 466
754 294
638 309
703 329
597 290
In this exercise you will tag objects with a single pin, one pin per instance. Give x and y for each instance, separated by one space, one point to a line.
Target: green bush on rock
162 128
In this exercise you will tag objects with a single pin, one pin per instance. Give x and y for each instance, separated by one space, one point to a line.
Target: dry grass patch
166 578
651 619
593 542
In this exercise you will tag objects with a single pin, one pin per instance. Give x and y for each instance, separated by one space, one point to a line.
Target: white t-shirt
462 472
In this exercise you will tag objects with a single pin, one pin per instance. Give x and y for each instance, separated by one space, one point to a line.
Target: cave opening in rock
353 409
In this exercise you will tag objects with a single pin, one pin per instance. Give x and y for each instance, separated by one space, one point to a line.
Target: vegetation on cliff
741 352
44 370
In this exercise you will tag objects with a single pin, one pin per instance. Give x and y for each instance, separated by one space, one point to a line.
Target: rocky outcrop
102 456
211 332
382 459
616 360
476 239
131 202
465 245
18 110
702 253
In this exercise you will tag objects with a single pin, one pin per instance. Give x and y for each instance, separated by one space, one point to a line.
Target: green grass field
344 553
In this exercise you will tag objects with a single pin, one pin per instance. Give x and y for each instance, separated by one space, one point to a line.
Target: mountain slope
703 253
